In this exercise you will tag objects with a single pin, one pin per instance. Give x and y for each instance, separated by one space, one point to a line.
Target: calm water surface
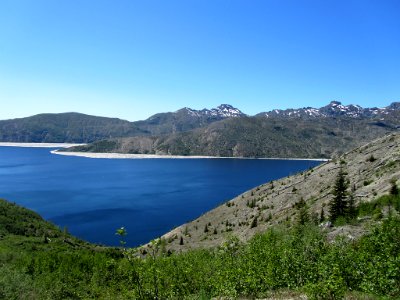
94 197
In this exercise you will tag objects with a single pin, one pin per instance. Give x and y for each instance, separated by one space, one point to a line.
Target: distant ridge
333 109
222 111
64 128
292 133
224 131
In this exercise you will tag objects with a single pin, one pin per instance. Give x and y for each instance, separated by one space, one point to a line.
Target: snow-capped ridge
222 111
333 109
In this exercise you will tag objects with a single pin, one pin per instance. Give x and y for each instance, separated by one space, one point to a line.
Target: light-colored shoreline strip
155 156
39 145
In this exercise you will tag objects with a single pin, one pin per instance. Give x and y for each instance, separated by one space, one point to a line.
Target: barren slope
370 169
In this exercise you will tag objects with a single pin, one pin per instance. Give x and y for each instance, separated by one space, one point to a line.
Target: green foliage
303 216
322 215
281 258
17 220
251 203
367 182
254 223
351 211
375 207
121 232
394 189
338 205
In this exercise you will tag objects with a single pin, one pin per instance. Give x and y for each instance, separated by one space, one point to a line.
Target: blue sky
131 59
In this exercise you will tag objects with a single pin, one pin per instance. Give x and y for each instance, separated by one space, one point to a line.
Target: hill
64 128
369 168
301 133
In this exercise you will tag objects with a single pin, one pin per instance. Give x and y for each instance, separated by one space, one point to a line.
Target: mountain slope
370 169
335 109
258 137
81 128
187 119
65 128
222 131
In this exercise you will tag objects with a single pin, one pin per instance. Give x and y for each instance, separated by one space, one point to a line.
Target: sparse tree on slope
338 205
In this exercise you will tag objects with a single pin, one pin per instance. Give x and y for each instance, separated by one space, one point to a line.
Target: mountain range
302 133
223 131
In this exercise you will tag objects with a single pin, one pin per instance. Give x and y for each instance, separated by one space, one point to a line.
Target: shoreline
39 145
156 156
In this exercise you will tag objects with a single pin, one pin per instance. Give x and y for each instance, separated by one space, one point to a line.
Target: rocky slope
369 169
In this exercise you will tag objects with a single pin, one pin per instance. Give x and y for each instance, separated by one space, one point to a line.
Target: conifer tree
394 190
322 215
303 216
254 223
351 208
338 205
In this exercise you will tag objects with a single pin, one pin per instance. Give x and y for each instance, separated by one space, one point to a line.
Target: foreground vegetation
38 261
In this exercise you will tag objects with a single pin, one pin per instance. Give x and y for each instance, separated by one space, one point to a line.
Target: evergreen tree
303 216
254 223
338 205
351 208
322 215
394 190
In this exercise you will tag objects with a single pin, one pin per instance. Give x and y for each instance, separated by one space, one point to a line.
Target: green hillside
283 262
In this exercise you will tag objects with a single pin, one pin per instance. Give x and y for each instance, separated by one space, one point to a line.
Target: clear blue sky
131 59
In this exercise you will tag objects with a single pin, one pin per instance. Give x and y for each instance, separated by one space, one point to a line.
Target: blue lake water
94 197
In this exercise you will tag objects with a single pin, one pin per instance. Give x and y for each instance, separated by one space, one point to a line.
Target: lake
94 197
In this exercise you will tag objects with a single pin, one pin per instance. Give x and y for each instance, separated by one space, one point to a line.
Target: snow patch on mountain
222 111
333 109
